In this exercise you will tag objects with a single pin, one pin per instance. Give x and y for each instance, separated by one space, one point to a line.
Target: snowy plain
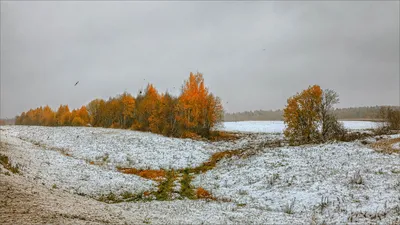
319 179
279 126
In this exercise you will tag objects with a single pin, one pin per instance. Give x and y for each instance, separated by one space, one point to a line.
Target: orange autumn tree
113 113
197 110
128 107
166 113
146 109
84 115
301 115
80 117
48 117
63 115
94 109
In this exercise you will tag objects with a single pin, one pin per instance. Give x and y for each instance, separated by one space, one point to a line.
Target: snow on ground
272 179
279 126
260 187
123 148
76 176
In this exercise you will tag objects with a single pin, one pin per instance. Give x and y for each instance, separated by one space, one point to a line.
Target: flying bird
76 83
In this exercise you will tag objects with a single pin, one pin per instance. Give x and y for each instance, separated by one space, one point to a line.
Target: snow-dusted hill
117 147
320 181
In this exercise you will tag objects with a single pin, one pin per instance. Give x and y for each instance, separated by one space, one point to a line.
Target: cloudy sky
253 55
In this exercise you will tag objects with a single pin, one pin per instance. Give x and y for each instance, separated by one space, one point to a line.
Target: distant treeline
7 121
353 113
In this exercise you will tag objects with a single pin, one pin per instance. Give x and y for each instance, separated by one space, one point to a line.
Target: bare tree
330 127
390 117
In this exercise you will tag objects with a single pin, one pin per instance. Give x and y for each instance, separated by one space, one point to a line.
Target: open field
73 175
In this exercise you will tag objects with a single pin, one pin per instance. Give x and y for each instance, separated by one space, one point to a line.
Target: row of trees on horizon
191 114
352 113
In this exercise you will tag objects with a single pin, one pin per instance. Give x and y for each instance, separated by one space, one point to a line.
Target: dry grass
212 162
156 175
386 146
223 136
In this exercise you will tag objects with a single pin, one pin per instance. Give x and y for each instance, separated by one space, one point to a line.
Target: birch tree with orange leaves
301 115
63 115
128 107
48 117
146 108
197 110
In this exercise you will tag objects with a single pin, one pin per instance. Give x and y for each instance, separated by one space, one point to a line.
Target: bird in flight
76 83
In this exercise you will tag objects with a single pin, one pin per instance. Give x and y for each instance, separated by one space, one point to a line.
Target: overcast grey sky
351 47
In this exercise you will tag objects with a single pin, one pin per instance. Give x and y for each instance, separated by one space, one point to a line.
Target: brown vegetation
391 117
223 136
386 146
156 175
212 162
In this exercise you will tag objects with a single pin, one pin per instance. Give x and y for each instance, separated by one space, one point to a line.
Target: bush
336 130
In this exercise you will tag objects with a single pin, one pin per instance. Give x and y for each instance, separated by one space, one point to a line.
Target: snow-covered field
74 175
124 148
279 126
275 177
320 180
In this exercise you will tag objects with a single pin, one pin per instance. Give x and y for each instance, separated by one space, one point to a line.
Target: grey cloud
352 47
